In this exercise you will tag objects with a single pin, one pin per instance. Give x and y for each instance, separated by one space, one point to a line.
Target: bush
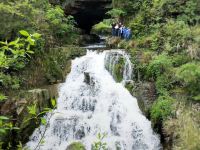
59 24
164 84
190 75
159 65
35 16
116 13
102 28
180 59
162 108
176 35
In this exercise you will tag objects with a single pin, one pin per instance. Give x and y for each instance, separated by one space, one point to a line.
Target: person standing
116 29
122 31
128 34
113 29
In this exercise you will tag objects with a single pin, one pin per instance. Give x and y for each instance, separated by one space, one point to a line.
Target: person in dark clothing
113 29
122 31
117 29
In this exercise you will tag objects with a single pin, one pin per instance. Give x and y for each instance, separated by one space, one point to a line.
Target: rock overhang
86 12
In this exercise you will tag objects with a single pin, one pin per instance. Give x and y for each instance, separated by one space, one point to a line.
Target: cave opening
89 12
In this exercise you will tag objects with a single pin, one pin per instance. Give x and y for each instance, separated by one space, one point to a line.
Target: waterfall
113 58
91 102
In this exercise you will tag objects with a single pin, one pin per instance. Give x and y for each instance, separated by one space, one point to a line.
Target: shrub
159 65
163 84
180 59
116 13
184 128
59 24
101 28
176 34
162 108
190 75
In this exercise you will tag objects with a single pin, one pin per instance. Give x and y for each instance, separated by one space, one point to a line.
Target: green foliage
2 97
59 24
35 16
159 65
162 108
196 98
118 70
131 7
76 146
102 28
6 125
35 115
9 82
14 56
190 75
100 145
116 13
164 84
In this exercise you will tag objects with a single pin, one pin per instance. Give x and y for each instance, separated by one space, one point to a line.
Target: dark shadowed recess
87 12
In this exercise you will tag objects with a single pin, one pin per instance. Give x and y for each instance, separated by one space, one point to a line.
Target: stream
91 102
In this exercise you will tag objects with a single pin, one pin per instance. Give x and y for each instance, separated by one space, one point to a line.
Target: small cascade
118 63
91 102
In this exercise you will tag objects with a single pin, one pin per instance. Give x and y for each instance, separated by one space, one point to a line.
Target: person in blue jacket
128 34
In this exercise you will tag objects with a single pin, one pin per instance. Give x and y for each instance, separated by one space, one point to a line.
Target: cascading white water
113 58
100 106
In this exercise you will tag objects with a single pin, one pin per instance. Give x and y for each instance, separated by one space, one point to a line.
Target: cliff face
86 12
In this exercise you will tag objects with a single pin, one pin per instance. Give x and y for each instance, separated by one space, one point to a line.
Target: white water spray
99 106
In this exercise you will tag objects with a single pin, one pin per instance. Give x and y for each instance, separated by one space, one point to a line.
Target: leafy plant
6 125
38 118
116 13
190 75
2 97
162 108
159 65
100 145
59 24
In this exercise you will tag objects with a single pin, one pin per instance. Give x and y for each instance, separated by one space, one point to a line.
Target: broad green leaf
15 128
43 121
2 97
36 35
14 42
32 109
53 102
30 52
31 41
4 118
3 131
4 43
24 33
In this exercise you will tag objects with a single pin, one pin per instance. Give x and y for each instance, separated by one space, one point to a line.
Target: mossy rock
118 70
76 146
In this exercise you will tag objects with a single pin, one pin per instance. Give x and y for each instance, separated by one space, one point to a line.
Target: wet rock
145 93
88 39
80 134
87 77
113 42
